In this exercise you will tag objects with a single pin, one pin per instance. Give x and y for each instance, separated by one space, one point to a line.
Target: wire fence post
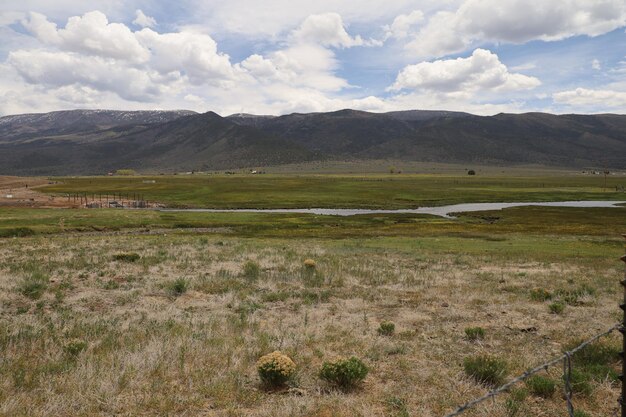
622 399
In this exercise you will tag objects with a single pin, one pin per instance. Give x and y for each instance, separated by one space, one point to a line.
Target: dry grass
150 352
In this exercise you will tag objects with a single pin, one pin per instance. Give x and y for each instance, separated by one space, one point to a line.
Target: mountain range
98 141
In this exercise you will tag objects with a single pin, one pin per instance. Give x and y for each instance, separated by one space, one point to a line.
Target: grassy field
121 312
346 191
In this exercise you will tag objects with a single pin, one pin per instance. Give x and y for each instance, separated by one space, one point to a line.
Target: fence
566 359
115 200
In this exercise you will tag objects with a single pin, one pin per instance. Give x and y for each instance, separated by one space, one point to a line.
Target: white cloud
38 25
482 71
270 18
307 60
584 98
89 34
404 24
516 21
58 69
10 17
297 51
187 53
91 58
142 20
328 30
595 64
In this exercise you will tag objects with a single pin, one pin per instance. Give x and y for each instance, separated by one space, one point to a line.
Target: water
442 211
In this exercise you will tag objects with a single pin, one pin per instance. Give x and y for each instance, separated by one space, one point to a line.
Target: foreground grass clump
34 285
275 369
344 373
126 257
251 271
74 347
557 307
386 328
177 287
540 294
474 333
541 386
594 363
486 370
515 403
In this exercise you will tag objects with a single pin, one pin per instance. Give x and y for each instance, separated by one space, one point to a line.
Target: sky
284 56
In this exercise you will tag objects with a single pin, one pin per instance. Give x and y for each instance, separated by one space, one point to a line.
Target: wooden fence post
622 399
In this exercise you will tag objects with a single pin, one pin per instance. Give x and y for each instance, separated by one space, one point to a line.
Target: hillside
97 141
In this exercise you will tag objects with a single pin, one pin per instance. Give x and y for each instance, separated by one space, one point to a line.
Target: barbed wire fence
566 360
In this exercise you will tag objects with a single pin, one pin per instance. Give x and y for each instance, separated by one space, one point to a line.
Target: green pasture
344 191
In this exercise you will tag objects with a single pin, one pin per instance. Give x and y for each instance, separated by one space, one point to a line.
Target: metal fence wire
566 358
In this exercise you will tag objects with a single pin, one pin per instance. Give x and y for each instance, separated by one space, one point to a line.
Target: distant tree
126 172
471 172
392 169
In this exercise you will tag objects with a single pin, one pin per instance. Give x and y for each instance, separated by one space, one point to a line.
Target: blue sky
280 56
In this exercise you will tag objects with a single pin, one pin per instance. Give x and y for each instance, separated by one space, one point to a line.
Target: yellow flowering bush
309 263
275 369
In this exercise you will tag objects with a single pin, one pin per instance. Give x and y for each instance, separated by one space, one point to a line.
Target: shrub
572 296
486 369
541 386
74 347
580 382
272 297
581 413
474 333
540 294
556 307
34 285
471 172
596 361
345 373
251 270
178 287
386 328
275 369
126 257
17 232
126 172
397 407
309 263
515 401
599 353
312 277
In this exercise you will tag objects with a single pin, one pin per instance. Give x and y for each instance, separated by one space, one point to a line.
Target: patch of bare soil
22 192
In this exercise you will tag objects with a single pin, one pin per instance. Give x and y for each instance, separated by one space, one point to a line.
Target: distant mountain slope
94 142
25 126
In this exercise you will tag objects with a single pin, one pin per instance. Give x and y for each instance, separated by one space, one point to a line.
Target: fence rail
566 359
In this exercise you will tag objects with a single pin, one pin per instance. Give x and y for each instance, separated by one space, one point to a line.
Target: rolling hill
98 141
